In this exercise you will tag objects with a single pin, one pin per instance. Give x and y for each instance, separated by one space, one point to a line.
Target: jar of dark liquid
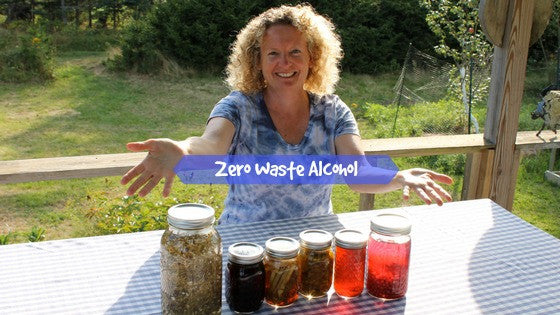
191 262
349 262
315 261
281 267
245 277
388 256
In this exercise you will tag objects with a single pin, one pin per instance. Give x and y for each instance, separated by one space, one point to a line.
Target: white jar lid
316 239
245 253
390 223
190 216
282 247
350 239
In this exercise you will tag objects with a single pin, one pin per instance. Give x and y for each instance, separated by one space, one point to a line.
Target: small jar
388 256
245 277
315 261
281 271
349 263
191 262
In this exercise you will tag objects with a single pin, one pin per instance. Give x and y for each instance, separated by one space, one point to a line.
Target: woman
283 67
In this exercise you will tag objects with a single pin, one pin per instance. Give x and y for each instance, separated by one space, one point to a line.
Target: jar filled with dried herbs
244 277
191 262
281 271
315 260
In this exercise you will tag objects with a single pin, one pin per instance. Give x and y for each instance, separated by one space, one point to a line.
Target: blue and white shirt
255 134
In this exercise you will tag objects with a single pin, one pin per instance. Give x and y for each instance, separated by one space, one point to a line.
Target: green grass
87 110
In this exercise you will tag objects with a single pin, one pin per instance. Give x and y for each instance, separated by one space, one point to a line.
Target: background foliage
196 34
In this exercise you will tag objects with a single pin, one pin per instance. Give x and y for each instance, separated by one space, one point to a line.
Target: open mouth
286 74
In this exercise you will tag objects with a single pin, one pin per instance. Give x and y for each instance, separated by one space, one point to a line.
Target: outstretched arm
164 154
421 181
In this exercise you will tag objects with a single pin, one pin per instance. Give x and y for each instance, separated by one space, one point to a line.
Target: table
467 257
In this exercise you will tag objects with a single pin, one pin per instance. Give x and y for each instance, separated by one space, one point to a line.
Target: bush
442 117
71 38
24 58
197 34
133 215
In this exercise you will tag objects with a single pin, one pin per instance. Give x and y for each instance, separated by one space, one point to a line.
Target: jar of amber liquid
191 262
349 262
281 271
315 261
244 277
388 256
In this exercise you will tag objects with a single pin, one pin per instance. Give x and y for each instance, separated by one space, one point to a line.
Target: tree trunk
63 8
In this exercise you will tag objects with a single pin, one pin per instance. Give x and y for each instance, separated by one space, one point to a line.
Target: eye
272 53
296 51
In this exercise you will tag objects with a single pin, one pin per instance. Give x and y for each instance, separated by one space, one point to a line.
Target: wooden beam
31 170
432 145
504 102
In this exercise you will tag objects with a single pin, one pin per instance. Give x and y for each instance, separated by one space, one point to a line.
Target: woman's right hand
163 155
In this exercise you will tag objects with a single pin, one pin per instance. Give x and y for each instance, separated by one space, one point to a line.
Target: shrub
36 234
197 34
24 58
442 117
4 238
133 215
71 38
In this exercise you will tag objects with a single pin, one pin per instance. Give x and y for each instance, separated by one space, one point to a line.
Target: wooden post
478 172
504 101
367 202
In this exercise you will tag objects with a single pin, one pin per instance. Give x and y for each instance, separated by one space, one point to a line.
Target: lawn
87 110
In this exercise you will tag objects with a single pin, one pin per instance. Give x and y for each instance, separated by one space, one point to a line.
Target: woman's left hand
424 183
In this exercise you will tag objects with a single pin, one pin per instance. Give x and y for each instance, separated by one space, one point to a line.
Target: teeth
286 75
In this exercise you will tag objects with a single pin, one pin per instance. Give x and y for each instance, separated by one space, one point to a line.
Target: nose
284 60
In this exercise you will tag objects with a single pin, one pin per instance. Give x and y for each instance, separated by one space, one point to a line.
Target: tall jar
281 271
349 263
315 261
388 255
245 277
191 262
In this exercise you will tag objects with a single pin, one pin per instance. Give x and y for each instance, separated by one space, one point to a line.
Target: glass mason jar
281 271
315 261
388 256
349 263
244 277
191 262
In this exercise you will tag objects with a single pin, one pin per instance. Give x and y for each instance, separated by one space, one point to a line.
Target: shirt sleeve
345 121
227 108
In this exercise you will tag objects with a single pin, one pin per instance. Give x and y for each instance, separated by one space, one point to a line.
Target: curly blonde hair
322 41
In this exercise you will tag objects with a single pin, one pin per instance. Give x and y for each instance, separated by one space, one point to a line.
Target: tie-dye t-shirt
255 133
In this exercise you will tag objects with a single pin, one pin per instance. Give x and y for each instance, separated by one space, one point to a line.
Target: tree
456 25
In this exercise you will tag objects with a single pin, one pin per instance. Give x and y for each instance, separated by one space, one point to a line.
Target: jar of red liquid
281 271
388 255
349 263
244 277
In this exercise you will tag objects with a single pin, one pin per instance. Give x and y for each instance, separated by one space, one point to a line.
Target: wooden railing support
504 99
476 180
367 201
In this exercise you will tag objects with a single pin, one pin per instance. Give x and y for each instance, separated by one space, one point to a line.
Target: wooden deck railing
474 145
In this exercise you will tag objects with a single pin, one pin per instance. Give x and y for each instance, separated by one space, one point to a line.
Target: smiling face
284 58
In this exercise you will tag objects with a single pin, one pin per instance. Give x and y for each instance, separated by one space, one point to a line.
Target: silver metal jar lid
390 223
350 239
316 239
282 247
245 253
190 216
